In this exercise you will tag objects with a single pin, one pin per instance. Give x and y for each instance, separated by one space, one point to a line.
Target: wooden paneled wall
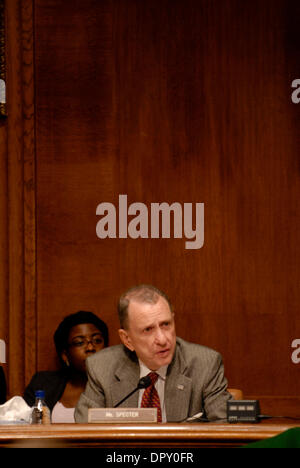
164 101
18 324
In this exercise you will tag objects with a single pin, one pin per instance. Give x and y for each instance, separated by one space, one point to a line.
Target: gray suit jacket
195 382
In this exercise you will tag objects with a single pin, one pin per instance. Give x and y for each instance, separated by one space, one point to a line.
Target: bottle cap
40 394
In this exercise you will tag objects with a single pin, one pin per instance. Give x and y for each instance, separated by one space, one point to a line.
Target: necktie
150 396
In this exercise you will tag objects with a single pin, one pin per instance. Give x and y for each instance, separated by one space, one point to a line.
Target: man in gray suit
190 376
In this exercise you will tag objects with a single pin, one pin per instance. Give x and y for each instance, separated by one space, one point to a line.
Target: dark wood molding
2 55
21 195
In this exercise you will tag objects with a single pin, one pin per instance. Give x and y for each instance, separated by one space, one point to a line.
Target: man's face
150 333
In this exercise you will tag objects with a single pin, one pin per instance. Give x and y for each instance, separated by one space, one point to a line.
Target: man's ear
124 337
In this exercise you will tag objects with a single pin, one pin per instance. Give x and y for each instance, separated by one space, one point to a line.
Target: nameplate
122 415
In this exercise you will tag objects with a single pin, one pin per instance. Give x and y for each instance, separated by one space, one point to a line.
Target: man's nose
160 337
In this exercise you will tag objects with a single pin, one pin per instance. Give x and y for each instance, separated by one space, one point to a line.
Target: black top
2 386
52 382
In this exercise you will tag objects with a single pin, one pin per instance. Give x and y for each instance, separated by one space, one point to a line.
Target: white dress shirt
61 414
159 385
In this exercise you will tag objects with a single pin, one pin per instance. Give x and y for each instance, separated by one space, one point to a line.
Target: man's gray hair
143 293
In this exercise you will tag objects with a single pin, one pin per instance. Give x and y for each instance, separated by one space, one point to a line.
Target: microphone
144 382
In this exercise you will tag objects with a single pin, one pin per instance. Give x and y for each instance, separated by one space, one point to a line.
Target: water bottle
40 411
2 386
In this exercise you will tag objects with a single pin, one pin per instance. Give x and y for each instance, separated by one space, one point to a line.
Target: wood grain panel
3 193
20 198
29 191
4 234
15 201
173 101
156 436
162 100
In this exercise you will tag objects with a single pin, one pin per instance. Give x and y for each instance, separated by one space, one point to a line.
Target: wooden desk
132 435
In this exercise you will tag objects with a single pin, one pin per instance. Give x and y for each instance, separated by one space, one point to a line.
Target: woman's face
84 339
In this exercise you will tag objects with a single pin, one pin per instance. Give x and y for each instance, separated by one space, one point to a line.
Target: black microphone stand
144 382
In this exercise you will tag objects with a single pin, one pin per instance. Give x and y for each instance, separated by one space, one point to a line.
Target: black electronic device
247 411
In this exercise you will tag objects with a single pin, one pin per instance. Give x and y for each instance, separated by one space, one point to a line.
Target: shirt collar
162 371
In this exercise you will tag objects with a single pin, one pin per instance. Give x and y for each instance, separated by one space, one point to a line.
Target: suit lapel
126 380
178 390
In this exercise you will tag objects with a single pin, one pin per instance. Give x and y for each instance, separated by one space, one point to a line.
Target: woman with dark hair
78 336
